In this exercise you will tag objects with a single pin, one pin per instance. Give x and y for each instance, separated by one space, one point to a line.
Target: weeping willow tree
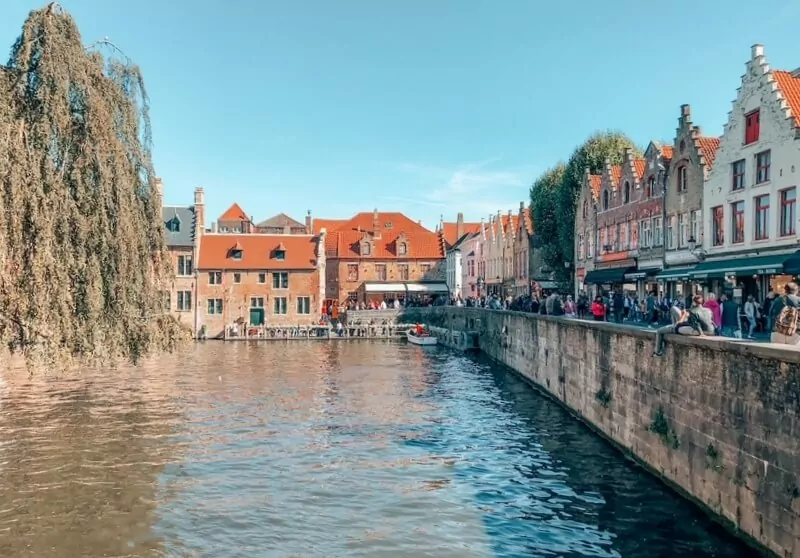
81 237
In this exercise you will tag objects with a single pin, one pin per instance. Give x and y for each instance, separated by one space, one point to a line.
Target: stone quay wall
717 420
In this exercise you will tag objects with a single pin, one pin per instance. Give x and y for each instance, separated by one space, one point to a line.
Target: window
280 255
303 305
644 233
762 217
737 171
629 234
737 222
425 268
167 301
580 246
380 272
605 200
670 234
402 271
365 250
762 166
352 272
694 218
590 251
237 277
280 280
788 215
650 189
215 306
184 265
717 228
215 278
256 302
683 178
402 248
279 305
626 193
682 230
184 301
585 209
751 127
236 254
262 278
658 238
174 225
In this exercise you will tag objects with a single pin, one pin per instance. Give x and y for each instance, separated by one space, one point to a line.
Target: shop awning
642 273
792 265
546 284
759 265
610 276
420 287
675 273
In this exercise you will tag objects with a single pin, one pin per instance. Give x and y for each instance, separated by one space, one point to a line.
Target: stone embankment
717 420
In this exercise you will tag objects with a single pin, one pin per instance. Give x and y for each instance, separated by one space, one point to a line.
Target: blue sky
423 107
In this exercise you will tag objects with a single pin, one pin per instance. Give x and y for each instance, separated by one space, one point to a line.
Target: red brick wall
180 283
236 298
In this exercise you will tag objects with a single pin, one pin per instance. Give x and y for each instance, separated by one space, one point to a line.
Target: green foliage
713 458
661 427
81 241
604 397
554 196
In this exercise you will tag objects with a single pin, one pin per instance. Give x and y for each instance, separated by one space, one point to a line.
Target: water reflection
320 449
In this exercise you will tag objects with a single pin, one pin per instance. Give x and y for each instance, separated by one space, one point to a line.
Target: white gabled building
750 217
454 267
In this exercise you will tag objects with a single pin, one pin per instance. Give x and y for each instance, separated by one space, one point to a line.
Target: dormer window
388 225
365 249
174 225
280 255
402 248
236 254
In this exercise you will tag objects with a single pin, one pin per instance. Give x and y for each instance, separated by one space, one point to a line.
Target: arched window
585 209
683 178
626 193
605 200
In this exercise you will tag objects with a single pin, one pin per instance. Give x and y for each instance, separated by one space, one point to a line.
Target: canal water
341 449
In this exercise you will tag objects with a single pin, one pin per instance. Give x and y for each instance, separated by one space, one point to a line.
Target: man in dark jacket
791 300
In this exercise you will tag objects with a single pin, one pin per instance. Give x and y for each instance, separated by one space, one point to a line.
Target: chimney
214 227
521 207
482 230
376 224
310 223
459 225
686 111
796 73
199 211
756 51
441 222
159 186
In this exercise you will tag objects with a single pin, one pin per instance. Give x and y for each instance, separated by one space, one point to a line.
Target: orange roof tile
595 182
528 220
639 166
450 231
258 251
709 147
234 213
422 243
790 87
667 151
616 174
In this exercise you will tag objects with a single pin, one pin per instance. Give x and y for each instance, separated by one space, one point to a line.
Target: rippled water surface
321 450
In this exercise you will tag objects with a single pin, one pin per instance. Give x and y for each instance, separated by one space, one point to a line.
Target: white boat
424 339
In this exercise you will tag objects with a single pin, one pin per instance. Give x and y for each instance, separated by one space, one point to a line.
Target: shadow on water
549 486
356 449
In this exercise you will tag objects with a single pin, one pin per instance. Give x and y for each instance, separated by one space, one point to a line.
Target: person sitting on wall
698 321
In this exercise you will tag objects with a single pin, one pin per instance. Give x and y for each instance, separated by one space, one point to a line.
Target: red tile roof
639 166
234 213
451 231
328 224
258 251
790 87
667 151
528 220
709 147
616 174
343 242
595 182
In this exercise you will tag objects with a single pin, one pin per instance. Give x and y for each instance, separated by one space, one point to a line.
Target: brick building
259 279
180 231
382 255
521 250
586 229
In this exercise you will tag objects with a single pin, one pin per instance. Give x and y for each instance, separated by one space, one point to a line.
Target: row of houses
701 213
284 272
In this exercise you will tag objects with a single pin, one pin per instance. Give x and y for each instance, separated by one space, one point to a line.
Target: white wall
777 133
454 271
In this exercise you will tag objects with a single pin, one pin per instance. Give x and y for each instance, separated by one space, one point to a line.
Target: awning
421 287
603 276
792 265
760 265
546 284
675 273
642 273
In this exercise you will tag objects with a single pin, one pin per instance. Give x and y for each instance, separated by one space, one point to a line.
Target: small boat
417 339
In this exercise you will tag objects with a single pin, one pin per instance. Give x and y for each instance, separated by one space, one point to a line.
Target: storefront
675 282
743 276
421 292
644 279
607 279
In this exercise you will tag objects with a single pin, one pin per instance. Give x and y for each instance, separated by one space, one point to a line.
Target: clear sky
426 107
